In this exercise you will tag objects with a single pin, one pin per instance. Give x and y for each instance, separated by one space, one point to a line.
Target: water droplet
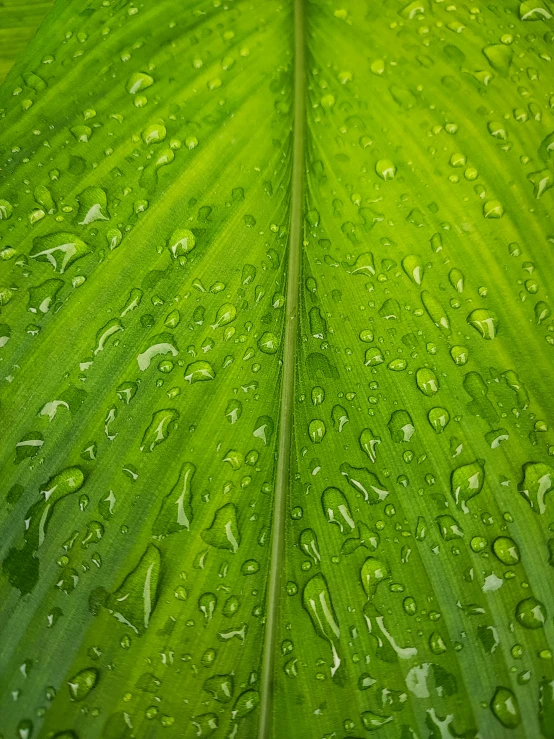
138 81
93 206
160 344
308 543
531 613
467 482
413 267
199 372
427 381
61 250
226 314
538 481
316 599
506 550
449 528
336 509
162 423
385 169
181 242
268 343
82 683
493 209
533 11
135 599
175 513
6 210
317 430
401 426
484 321
435 311
42 297
368 443
365 482
505 708
224 532
372 573
221 687
439 419
373 357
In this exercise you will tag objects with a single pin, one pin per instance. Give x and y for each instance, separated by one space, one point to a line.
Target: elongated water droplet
226 314
467 482
435 311
365 482
159 429
427 381
336 509
368 443
505 708
135 599
316 599
538 481
224 532
60 249
413 267
176 513
372 573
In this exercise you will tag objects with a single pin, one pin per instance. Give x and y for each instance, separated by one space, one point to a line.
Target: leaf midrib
288 376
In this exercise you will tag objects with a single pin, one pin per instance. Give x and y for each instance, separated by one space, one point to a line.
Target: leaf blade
424 503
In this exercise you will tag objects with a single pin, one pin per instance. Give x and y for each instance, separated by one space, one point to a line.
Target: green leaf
275 354
19 20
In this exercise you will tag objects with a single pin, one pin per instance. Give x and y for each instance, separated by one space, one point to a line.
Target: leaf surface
276 372
18 23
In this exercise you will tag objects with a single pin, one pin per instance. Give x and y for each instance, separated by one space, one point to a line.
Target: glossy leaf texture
146 194
18 23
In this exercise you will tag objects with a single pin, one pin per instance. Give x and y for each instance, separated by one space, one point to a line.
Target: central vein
287 386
